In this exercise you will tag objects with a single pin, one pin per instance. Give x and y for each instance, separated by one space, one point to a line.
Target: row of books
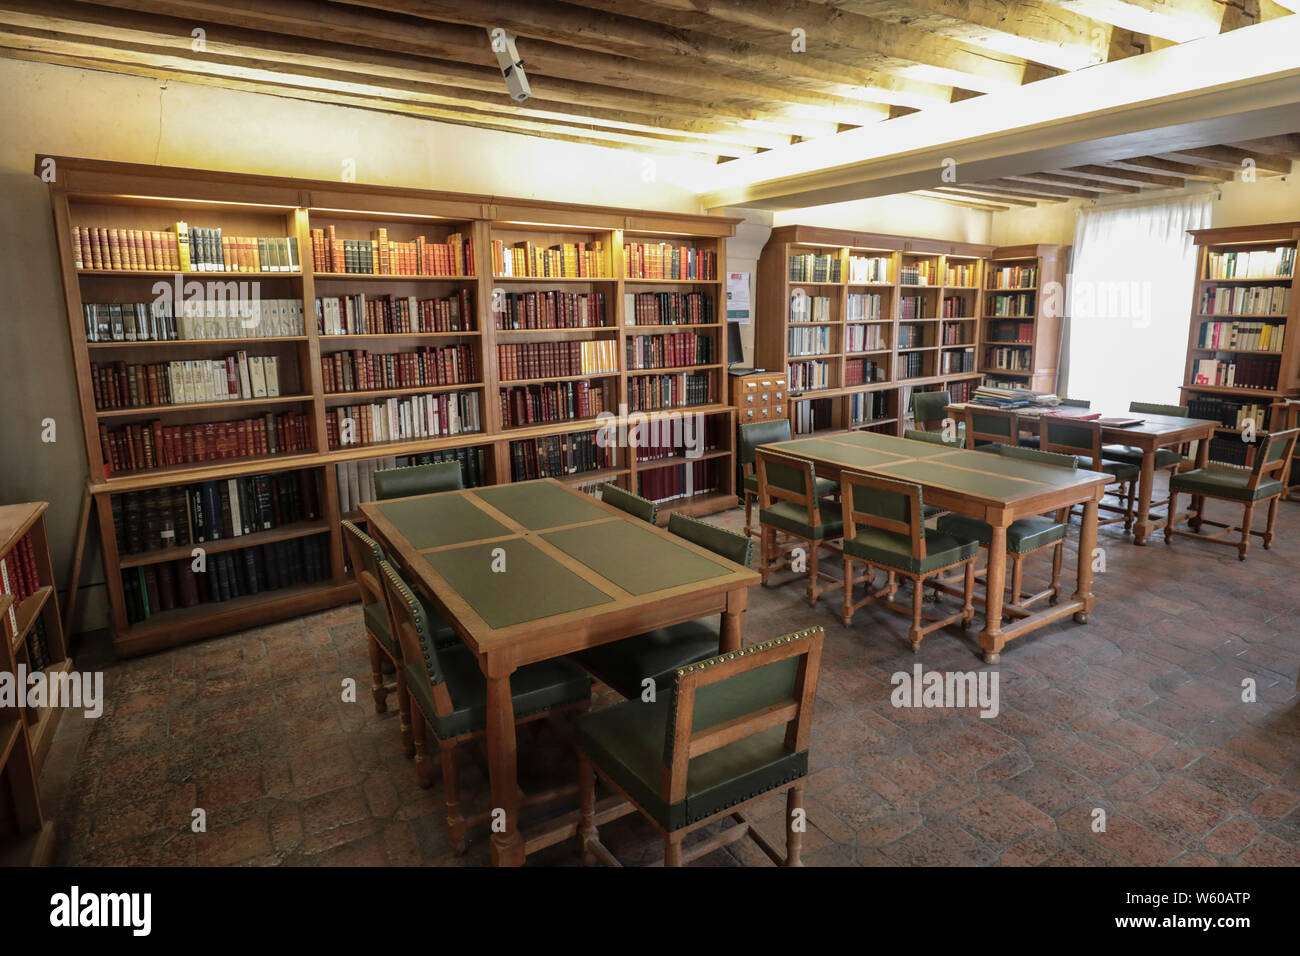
359 370
1229 414
814 267
961 274
1011 394
669 351
1013 277
869 268
156 519
956 307
403 419
380 255
182 249
678 481
663 260
1241 336
1021 333
528 360
1245 300
138 447
911 336
813 416
863 372
356 479
361 314
158 588
993 381
924 272
1014 306
868 406
865 307
549 310
864 338
647 393
1229 450
711 434
955 335
39 656
1276 263
555 456
1009 358
962 391
956 361
1241 372
19 578
810 341
555 402
807 376
911 307
565 260
195 319
911 365
810 308
668 308
237 376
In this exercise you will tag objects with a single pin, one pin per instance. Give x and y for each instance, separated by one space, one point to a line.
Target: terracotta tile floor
1138 713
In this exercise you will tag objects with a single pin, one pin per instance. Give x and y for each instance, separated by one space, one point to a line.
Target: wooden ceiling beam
1226 157
1287 145
1041 189
1054 178
1107 173
1176 20
986 205
1155 164
1020 191
975 192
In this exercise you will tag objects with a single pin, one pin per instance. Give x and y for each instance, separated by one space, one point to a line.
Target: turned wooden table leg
1087 544
1142 529
991 637
733 620
507 845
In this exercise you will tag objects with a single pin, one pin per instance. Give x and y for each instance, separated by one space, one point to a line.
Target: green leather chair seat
1223 483
444 635
534 688
1133 456
627 742
825 487
1123 471
624 664
895 550
792 517
1022 536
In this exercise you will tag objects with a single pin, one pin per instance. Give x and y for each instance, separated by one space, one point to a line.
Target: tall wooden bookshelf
882 316
1024 294
89 193
1251 370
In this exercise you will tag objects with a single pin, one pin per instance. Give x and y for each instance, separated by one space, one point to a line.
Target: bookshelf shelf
221 545
318 216
585 377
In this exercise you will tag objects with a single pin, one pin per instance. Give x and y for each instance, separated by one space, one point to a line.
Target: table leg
1142 529
1087 544
991 637
507 845
733 620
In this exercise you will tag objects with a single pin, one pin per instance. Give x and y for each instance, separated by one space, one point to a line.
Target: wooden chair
1031 441
635 505
627 664
990 425
1265 480
1025 536
1285 414
418 480
450 697
788 504
765 433
730 730
883 530
929 412
1070 436
935 438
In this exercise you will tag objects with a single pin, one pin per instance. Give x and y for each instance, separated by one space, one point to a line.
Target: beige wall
896 215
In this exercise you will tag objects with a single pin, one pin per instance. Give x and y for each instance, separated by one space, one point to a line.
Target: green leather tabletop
1157 425
1033 471
842 454
532 586
431 521
990 483
892 444
634 557
538 505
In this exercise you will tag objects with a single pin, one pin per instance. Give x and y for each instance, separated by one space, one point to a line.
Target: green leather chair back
365 555
634 505
917 435
724 543
408 619
991 425
928 406
791 474
1033 454
418 480
1076 403
761 433
881 503
1175 411
1069 437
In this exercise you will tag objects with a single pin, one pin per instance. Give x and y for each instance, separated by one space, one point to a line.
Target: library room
596 434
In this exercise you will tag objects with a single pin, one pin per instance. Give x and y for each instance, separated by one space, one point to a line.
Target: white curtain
1129 300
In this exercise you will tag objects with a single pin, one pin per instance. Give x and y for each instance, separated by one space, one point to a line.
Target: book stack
865 269
1245 300
138 447
555 456
1277 263
379 255
550 310
955 307
558 402
961 391
663 260
809 308
1015 306
673 351
1019 332
862 372
184 249
1010 359
20 579
1011 396
1013 277
813 267
403 419
1241 336
868 406
911 336
809 341
157 588
1241 372
361 314
356 479
911 364
237 376
677 481
1228 414
911 307
362 371
534 360
864 338
679 390
808 376
954 361
864 307
668 308
955 335
566 260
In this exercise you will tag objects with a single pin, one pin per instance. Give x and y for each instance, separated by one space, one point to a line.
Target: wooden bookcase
88 193
1267 375
896 315
26 732
1024 294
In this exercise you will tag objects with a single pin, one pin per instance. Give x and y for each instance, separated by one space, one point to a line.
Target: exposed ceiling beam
1176 20
1016 191
1226 157
1055 178
975 192
1140 164
1040 188
987 205
1110 174
1287 145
